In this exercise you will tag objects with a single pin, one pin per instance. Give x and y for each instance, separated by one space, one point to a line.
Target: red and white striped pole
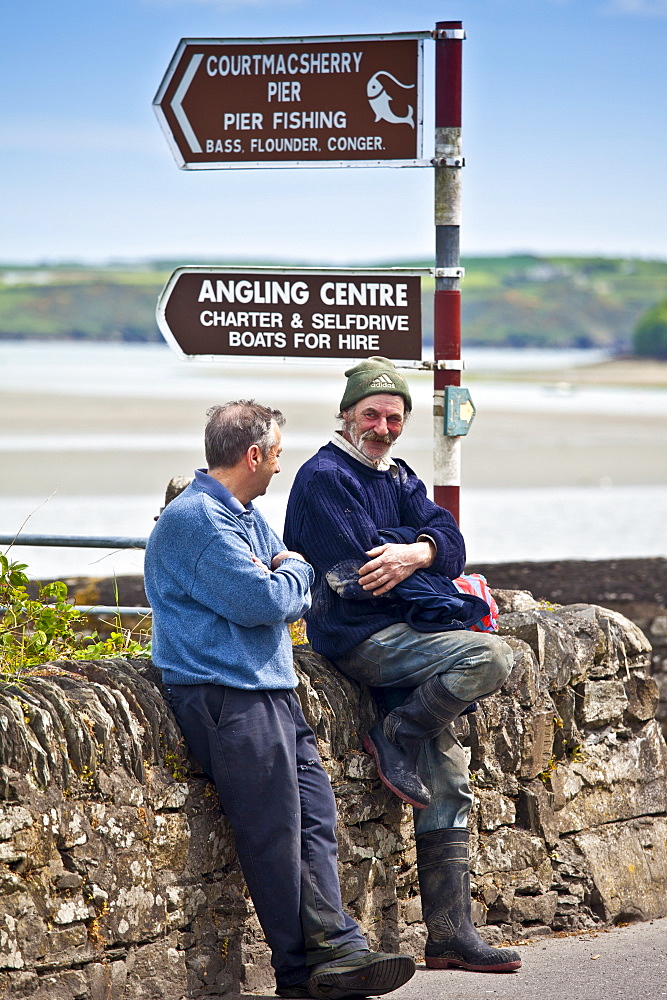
447 163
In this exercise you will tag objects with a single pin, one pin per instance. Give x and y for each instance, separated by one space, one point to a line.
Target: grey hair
233 427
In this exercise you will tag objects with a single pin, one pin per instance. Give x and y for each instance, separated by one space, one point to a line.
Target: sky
563 134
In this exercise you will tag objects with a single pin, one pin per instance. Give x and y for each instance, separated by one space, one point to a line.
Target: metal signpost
448 163
353 100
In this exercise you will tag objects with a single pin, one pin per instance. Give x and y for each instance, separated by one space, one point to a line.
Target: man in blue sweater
223 588
386 611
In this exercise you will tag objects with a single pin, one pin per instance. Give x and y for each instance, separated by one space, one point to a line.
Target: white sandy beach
558 463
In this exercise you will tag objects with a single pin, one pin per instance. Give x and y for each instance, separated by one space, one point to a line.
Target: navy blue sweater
336 510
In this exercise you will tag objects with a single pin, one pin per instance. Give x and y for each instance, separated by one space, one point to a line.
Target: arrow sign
177 103
466 412
325 101
459 411
209 312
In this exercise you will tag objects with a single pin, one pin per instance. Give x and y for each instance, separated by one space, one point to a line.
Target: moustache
382 438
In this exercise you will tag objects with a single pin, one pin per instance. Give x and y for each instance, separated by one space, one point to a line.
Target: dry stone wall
636 588
118 875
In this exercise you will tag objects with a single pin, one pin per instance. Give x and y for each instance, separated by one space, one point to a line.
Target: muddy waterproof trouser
472 665
258 749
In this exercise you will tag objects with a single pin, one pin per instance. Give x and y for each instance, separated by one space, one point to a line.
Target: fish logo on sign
380 101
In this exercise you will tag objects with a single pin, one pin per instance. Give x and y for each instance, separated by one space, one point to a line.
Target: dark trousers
262 755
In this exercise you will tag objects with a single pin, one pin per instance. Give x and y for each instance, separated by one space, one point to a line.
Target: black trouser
262 755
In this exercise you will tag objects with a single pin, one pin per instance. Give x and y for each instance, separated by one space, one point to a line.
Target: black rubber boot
424 714
397 768
395 744
444 880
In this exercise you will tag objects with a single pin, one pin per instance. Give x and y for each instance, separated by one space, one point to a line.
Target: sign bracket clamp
448 272
452 364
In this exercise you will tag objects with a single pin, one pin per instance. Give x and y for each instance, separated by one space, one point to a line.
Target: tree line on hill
511 301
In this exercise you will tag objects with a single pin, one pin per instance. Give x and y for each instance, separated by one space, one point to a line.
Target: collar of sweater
220 492
384 464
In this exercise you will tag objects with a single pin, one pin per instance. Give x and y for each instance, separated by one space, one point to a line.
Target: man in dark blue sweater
385 610
223 587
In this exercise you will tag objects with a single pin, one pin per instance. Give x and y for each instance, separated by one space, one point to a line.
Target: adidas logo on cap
382 382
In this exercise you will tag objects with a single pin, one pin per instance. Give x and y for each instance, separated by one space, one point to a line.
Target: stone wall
118 875
636 588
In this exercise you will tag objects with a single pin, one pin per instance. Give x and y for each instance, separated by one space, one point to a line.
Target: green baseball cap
373 376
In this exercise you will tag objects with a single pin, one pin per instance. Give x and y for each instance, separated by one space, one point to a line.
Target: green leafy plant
176 762
36 630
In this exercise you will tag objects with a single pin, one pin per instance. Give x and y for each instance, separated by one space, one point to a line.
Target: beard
359 440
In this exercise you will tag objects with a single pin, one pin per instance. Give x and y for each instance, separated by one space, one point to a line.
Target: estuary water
91 433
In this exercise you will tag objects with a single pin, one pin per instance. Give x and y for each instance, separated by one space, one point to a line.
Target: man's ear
254 457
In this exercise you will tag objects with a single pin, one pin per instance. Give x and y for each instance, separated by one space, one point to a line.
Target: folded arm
339 537
393 562
231 581
434 522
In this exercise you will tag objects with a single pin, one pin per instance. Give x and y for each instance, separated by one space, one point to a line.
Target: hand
258 562
392 562
278 558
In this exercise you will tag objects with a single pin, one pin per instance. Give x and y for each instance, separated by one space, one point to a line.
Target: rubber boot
395 744
423 715
444 880
397 768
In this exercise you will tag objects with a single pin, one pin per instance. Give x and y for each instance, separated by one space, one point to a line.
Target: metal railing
76 541
86 542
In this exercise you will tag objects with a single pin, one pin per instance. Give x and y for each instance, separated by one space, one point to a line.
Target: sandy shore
507 446
627 372
503 448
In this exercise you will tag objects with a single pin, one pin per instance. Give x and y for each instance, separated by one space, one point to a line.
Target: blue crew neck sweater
336 511
218 618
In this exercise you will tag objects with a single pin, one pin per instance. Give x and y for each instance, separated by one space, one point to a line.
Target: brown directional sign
302 313
245 102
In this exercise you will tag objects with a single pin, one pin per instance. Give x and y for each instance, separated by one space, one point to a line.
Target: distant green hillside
516 301
558 301
78 303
